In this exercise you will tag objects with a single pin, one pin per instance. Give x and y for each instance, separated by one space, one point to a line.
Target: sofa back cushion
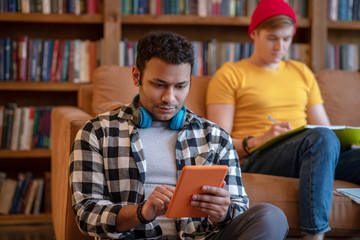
340 90
113 86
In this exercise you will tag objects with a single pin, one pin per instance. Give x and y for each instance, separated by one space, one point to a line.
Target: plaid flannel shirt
108 171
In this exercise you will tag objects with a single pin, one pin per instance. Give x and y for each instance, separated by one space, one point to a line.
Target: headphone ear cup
145 118
178 120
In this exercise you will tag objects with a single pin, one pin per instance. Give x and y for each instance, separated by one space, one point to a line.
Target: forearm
238 143
127 218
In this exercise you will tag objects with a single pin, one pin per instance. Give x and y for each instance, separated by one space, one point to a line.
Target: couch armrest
65 122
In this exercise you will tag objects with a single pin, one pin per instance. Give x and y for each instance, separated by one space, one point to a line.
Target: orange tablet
191 180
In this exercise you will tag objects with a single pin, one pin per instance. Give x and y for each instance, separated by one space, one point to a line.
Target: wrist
245 144
228 217
139 214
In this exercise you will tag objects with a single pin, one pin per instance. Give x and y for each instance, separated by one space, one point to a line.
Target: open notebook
346 134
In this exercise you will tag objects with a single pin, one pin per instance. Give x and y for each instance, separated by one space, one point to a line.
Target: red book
54 60
22 58
158 7
60 61
14 63
93 6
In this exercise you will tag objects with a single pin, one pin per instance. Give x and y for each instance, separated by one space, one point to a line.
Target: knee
272 215
326 136
325 139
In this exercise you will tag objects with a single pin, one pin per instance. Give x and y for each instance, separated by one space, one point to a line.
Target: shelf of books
343 40
194 20
24 196
218 29
52 18
48 49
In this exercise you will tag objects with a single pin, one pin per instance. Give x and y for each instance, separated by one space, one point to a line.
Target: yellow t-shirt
284 94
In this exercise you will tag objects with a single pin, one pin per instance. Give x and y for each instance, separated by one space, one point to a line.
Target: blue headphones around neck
143 119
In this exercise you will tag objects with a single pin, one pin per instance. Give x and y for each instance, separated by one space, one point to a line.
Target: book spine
7 59
22 58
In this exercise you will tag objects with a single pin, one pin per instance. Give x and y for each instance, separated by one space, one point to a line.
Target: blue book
44 59
17 193
7 59
65 68
349 14
342 10
205 58
34 58
240 8
237 51
167 5
71 6
143 7
187 7
11 6
2 59
46 56
50 59
354 10
225 8
195 66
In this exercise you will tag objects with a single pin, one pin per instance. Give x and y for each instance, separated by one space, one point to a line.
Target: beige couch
113 85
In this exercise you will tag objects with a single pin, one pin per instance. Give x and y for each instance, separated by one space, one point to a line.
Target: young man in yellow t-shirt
243 94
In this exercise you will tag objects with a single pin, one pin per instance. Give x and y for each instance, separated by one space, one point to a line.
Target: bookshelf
66 26
340 32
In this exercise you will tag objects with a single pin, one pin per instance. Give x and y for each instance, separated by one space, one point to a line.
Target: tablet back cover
191 179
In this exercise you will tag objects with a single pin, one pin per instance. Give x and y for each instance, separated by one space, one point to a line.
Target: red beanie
269 8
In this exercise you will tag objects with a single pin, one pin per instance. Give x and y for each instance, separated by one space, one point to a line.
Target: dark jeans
311 156
262 221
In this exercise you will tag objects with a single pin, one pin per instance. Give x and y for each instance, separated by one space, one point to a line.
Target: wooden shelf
52 18
36 153
194 20
344 25
40 86
24 219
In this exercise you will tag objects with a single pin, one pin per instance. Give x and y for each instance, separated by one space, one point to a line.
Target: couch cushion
340 90
112 84
195 101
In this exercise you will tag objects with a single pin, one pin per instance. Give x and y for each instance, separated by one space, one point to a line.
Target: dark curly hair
168 46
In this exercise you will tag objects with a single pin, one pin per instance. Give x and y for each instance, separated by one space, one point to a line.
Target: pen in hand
271 119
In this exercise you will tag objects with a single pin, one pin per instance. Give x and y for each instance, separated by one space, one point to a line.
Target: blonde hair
276 22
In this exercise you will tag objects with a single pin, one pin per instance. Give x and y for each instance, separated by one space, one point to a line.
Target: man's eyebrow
165 82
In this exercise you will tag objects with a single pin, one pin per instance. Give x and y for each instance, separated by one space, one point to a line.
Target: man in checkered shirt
125 163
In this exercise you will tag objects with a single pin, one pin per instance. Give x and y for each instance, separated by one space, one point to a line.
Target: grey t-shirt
159 147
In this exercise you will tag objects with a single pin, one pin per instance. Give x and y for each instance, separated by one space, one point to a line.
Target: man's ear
136 76
252 35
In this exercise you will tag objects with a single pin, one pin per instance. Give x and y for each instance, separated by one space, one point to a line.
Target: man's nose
168 95
278 44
